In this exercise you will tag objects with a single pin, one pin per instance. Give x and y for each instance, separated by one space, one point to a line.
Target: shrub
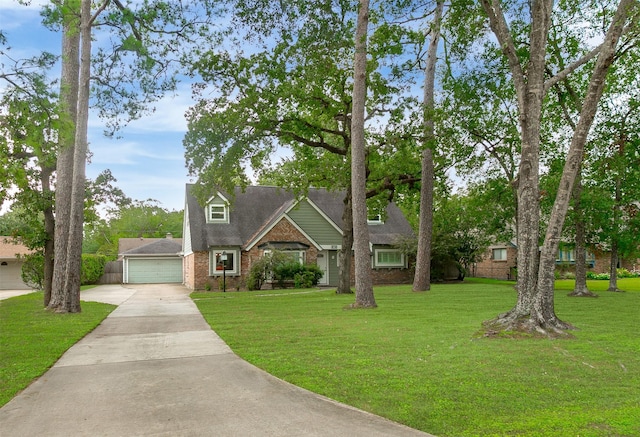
92 268
598 276
624 273
279 267
33 270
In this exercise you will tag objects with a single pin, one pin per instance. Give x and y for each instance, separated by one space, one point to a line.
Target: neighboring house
151 260
251 223
11 265
499 261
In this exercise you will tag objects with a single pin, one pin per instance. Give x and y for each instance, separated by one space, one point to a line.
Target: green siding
333 268
315 225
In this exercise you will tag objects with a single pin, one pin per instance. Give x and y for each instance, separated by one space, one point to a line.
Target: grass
32 339
416 359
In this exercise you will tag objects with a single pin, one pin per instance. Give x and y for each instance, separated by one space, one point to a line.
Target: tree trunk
544 297
344 265
74 246
580 289
613 267
69 83
529 88
534 310
364 286
422 278
49 229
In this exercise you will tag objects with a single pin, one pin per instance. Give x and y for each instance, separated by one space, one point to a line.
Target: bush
598 276
33 270
279 267
624 273
92 268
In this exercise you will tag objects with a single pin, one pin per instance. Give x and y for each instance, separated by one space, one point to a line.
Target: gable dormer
217 209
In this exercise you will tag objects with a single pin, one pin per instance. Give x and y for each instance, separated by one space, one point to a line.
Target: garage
11 275
153 270
10 264
155 263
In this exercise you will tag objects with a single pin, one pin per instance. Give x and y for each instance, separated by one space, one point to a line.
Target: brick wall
196 265
496 269
391 276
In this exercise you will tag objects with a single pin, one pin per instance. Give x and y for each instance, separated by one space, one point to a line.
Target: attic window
217 214
375 219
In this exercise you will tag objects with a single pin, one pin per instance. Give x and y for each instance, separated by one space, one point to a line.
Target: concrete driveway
155 368
6 294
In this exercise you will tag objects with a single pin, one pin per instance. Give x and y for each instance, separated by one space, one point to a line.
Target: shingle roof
258 207
164 246
127 244
9 249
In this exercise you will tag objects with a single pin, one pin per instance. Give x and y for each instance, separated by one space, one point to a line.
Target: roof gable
258 208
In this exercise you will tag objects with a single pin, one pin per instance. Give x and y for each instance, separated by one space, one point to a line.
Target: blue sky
147 157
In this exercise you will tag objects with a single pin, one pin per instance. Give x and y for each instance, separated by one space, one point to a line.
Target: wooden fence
112 273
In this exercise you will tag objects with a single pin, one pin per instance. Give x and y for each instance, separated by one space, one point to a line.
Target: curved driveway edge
154 367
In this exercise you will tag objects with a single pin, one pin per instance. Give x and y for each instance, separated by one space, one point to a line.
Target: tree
299 97
28 150
116 96
364 285
612 180
534 309
421 281
136 219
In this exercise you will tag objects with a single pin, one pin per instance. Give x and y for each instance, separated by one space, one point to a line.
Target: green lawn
416 358
32 339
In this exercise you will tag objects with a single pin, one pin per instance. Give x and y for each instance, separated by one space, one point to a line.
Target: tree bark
77 38
544 297
344 265
422 278
69 83
613 267
534 310
364 286
49 230
580 288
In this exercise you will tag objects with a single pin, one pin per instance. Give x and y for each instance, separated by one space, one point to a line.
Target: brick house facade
267 218
500 262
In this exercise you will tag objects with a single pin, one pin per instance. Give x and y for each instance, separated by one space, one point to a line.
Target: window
375 219
499 254
566 255
298 256
218 214
388 258
217 266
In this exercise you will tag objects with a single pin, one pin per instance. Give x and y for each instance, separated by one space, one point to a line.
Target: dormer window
218 213
374 219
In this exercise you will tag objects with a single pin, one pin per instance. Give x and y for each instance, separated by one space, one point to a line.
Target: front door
323 263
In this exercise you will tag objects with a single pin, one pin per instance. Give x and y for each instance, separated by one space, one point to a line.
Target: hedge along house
263 219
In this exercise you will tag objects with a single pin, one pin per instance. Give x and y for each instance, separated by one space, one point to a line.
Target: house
151 260
500 261
245 226
11 264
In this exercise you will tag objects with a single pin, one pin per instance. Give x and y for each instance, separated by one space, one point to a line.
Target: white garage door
10 278
154 270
